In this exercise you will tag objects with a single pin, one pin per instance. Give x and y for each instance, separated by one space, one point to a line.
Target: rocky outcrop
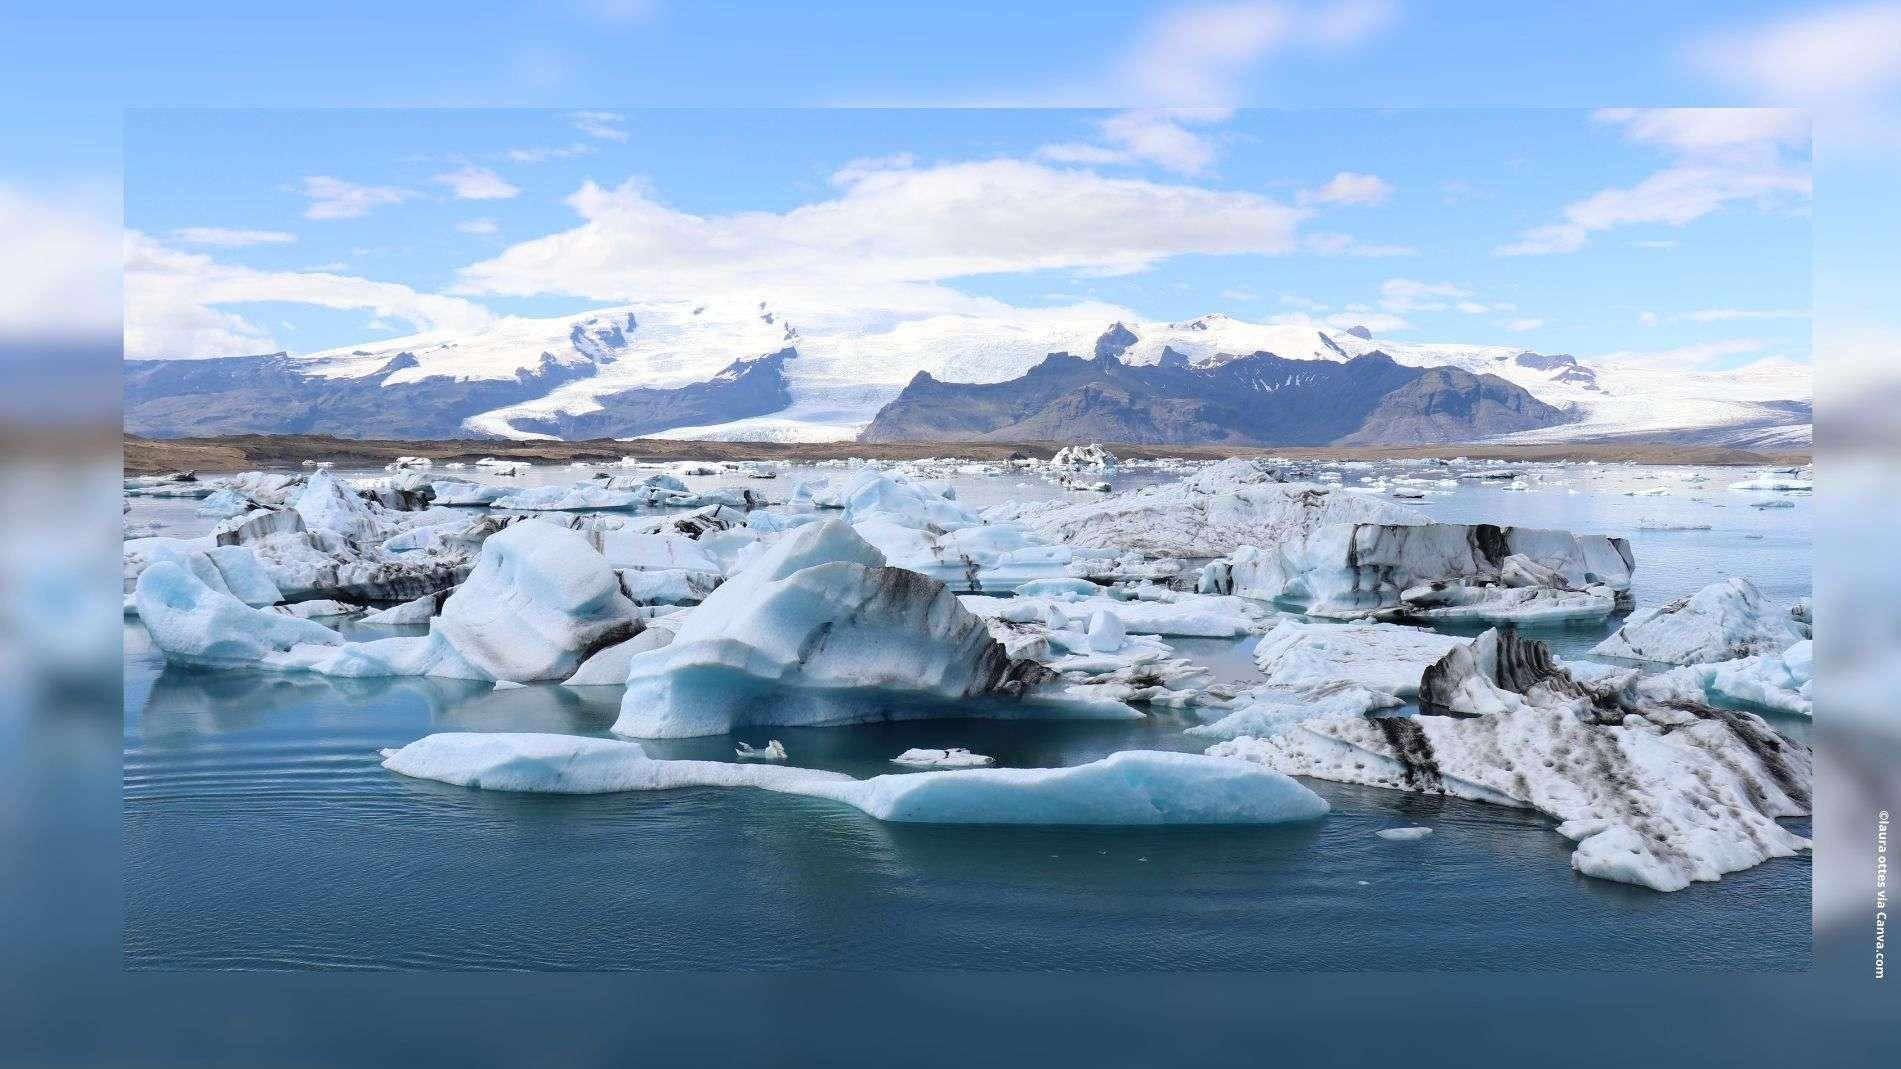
1261 399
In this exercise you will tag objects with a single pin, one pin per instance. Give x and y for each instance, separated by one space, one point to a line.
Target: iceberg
1721 622
771 751
819 630
1383 658
569 498
1214 512
1656 794
1781 683
1403 835
192 623
1459 571
1132 788
954 757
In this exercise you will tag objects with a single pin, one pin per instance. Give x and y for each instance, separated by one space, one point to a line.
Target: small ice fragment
954 757
771 751
1403 834
509 684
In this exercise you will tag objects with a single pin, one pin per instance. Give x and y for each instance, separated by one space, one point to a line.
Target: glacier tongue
1132 788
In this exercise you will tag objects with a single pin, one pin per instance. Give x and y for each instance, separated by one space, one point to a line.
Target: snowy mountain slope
849 363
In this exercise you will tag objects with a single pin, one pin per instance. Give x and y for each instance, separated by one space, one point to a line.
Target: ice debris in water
1132 788
954 757
1402 835
771 751
1660 794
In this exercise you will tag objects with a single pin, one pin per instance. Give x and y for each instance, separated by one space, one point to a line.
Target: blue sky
1405 220
83 65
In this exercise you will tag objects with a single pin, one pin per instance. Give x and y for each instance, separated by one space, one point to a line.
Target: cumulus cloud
1519 326
476 183
333 198
174 299
887 226
1724 158
225 237
1349 187
477 226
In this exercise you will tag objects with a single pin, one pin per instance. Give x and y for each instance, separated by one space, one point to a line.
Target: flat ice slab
1133 788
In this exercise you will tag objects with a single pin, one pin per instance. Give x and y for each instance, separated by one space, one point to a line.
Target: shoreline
149 456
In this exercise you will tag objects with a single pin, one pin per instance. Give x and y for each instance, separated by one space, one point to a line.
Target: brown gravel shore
146 456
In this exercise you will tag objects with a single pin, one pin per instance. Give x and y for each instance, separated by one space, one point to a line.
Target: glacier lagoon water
261 832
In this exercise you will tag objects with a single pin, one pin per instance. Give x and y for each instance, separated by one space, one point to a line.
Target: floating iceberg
771 751
1771 682
818 630
192 623
1449 570
1721 622
1133 788
954 757
1403 835
1655 794
569 498
1384 658
1221 508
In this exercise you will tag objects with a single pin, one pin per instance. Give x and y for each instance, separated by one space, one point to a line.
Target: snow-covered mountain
837 368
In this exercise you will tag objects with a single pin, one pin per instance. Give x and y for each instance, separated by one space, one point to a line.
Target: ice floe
1132 788
953 757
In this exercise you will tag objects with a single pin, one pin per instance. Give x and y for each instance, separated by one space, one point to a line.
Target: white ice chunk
195 624
1721 622
1133 788
953 757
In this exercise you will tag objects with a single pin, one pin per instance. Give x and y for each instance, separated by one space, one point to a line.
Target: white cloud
1655 244
1411 295
333 198
1322 244
1519 326
1160 136
601 125
1377 322
173 299
1837 54
1239 294
544 154
1199 54
886 228
1349 187
1704 129
1303 303
1082 153
476 183
1648 319
1685 357
1724 157
70 289
865 166
477 226
229 238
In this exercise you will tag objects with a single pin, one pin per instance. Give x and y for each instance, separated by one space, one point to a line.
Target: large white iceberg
1133 788
1384 658
1656 794
1772 682
819 630
1721 622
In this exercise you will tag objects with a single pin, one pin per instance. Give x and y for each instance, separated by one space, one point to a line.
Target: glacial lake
261 832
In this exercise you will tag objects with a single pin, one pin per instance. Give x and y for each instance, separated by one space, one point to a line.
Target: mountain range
743 371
